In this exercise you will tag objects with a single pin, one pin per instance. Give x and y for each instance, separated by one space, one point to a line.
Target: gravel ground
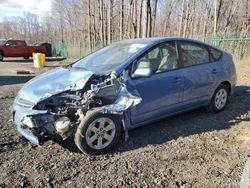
195 149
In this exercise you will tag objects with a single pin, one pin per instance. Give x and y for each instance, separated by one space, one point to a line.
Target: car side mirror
142 72
7 44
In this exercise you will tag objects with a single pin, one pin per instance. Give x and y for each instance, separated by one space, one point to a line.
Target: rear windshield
2 42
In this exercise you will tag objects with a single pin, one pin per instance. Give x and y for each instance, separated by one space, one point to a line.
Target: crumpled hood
53 82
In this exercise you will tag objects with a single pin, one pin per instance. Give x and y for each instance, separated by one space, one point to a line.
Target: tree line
104 21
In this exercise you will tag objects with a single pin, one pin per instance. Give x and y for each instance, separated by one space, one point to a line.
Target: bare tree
134 18
187 14
181 17
139 19
121 18
110 8
92 24
101 20
89 24
145 18
154 15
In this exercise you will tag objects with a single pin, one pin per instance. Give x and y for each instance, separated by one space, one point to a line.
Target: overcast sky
17 7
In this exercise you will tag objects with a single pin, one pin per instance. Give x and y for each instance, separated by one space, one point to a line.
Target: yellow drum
38 60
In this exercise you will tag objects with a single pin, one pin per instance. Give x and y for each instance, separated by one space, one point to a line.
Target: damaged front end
57 112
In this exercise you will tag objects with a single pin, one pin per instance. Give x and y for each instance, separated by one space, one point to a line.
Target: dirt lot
196 149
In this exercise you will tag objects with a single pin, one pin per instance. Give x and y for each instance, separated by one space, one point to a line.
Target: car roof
156 40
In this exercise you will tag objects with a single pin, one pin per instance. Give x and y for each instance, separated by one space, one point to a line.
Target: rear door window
193 54
20 43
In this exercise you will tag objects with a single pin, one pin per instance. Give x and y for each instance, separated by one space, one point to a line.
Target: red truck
18 48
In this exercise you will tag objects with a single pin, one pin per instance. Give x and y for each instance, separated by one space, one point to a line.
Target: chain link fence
76 50
238 44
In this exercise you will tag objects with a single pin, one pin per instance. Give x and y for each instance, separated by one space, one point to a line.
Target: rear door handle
214 71
176 79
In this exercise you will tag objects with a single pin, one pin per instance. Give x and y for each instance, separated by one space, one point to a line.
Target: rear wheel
97 132
1 56
220 99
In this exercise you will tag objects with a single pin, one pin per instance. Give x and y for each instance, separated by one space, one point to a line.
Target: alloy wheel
100 133
220 98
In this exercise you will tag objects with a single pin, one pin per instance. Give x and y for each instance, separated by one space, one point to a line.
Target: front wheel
220 99
97 132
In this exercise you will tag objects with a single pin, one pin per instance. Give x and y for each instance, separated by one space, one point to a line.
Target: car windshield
106 59
2 42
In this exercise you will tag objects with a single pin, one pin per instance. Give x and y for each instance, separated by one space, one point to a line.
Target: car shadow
68 144
190 123
18 60
10 80
31 60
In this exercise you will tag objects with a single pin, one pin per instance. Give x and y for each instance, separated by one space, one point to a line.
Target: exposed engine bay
62 112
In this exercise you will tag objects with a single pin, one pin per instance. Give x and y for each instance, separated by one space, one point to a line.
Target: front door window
160 59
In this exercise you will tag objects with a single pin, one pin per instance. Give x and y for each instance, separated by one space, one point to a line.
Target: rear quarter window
215 53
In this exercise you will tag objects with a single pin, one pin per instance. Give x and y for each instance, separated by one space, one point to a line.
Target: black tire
1 56
81 138
27 57
213 107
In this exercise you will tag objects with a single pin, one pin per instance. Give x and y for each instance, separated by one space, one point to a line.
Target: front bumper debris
18 114
28 134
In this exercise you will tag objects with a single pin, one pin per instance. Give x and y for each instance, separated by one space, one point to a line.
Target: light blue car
123 86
